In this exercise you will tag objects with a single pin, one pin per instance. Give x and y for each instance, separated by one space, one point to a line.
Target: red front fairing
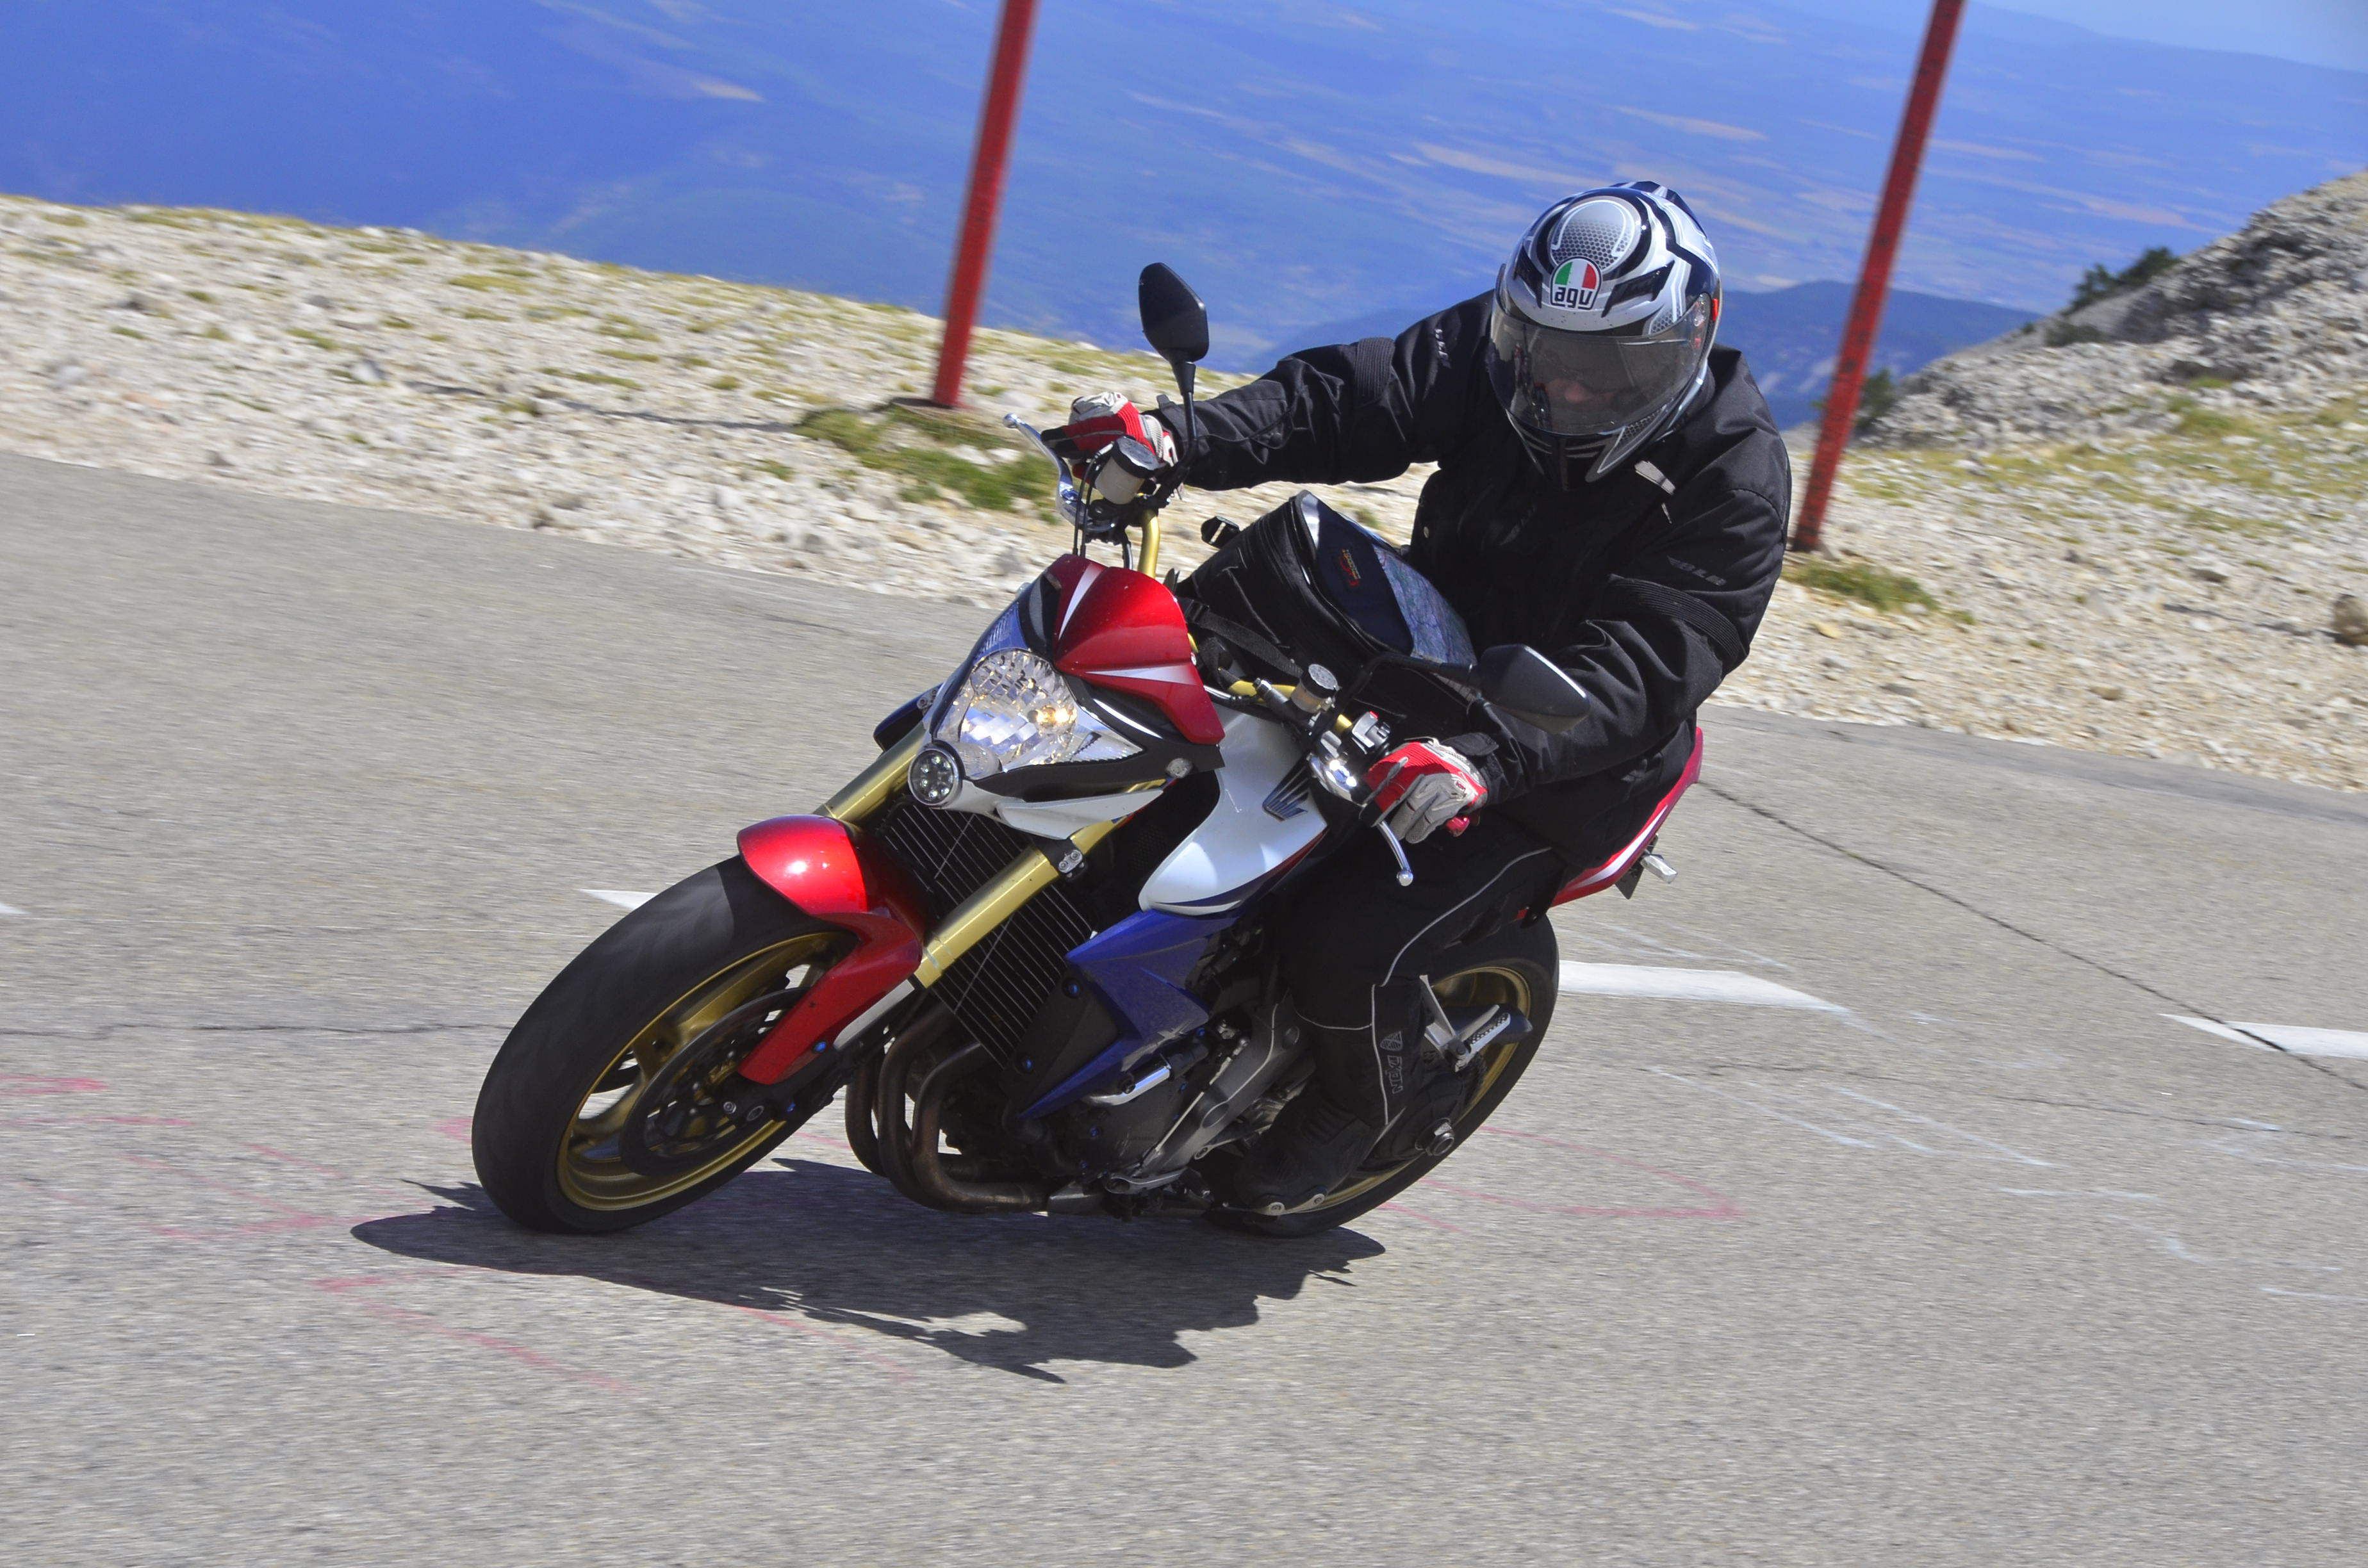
1125 631
816 864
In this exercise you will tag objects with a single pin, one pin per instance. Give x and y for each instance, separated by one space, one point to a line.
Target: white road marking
2291 1038
1686 985
622 900
1919 1119
2309 1295
10 909
1828 1133
1865 1131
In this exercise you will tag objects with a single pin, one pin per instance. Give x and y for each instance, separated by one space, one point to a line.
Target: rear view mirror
1175 321
1531 686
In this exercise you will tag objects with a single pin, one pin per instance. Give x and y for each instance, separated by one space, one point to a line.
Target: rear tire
1517 964
569 1077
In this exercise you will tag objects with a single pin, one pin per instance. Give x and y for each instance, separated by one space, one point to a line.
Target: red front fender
816 864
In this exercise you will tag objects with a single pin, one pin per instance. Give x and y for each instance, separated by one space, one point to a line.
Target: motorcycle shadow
834 1245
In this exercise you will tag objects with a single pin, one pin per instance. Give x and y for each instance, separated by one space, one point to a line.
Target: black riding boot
1352 949
1362 1079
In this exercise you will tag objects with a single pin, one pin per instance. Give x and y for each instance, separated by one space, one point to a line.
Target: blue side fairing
1139 966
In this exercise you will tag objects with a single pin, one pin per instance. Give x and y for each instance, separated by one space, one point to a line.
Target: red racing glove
1425 785
1098 423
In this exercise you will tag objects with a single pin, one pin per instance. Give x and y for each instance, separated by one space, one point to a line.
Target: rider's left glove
1425 785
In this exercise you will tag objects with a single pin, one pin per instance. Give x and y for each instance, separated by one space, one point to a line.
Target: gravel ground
2075 607
2163 589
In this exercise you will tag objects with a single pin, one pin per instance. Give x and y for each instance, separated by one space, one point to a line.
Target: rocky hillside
2157 588
2139 527
2271 320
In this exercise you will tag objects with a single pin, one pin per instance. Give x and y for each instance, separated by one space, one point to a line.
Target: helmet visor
1592 383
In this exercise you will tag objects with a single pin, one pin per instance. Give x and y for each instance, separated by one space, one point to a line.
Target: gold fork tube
1029 874
870 790
1151 545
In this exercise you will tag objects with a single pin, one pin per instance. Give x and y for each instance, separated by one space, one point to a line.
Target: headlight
1014 711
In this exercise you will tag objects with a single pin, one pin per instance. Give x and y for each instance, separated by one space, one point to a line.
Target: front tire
1517 965
686 968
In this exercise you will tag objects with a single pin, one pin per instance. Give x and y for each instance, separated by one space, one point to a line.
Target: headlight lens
1014 711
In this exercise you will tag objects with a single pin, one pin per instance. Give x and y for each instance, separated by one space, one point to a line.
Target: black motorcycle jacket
1647 584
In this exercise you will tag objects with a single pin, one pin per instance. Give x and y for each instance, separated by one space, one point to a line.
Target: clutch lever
1397 853
1382 824
1343 778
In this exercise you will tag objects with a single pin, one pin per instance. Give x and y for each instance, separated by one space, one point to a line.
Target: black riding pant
1357 945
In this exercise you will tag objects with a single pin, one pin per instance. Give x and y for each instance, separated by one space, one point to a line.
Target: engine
1225 1082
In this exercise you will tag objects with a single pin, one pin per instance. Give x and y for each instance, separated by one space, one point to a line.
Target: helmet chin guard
1602 326
1573 461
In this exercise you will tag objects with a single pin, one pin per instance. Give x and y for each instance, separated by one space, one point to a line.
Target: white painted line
2310 1295
1686 985
622 900
10 909
2313 1042
2223 1031
2217 1028
2290 1038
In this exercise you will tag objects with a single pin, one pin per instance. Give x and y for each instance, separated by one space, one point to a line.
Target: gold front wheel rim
592 1173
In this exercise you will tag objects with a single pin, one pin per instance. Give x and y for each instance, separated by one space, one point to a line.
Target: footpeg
1492 1025
1442 1140
1453 1040
1650 860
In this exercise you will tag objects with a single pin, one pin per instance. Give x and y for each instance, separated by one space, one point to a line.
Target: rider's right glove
1098 422
1424 785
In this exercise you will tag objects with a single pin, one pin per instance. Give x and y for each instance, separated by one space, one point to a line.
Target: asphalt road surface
1972 1253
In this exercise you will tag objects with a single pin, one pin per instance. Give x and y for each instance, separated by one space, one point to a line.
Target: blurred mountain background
1311 167
1789 335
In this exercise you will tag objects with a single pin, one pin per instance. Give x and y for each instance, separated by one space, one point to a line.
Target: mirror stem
1187 373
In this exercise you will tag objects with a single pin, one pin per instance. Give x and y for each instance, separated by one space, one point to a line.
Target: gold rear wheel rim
591 1172
1475 987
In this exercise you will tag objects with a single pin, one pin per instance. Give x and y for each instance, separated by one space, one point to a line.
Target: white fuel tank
1219 865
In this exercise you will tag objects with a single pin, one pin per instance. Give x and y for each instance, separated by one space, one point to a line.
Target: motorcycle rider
1612 491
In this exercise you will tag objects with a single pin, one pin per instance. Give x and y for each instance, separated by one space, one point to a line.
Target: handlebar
1096 518
1340 751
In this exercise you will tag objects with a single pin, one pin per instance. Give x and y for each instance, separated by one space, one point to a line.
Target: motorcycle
1033 944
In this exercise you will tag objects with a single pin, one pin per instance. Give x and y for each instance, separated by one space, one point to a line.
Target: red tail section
1597 877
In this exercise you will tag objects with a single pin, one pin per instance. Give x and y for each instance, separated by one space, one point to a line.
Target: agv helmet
1602 326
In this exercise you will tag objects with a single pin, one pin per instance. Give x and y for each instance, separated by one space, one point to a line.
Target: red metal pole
1874 277
988 164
